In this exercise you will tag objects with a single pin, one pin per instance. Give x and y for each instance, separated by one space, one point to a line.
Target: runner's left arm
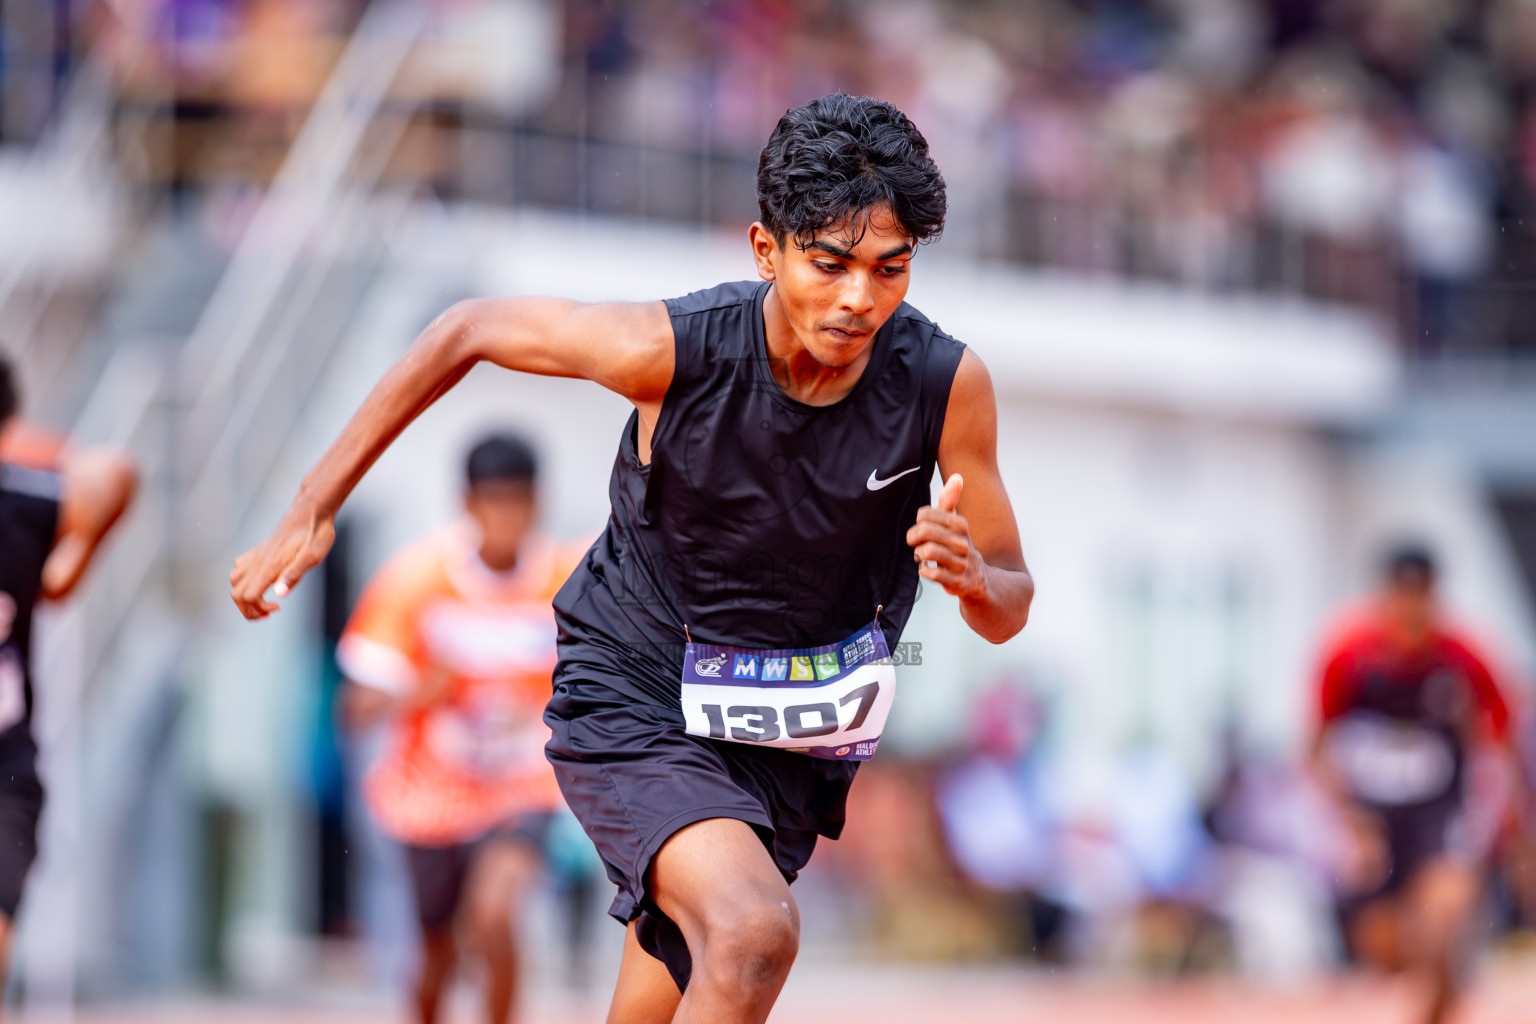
98 484
1493 735
969 541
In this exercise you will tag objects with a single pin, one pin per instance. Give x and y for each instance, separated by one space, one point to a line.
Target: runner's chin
838 348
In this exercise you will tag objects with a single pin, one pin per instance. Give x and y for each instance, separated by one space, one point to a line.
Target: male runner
1405 703
722 647
54 513
454 642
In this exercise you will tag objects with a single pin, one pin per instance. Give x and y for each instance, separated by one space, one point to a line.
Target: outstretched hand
941 545
298 544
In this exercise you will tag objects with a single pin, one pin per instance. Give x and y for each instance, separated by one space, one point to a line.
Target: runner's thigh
717 874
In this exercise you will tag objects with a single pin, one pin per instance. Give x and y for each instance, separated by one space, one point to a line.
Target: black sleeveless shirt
759 521
29 515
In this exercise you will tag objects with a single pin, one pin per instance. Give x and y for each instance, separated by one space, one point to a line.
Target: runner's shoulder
1460 643
726 295
909 317
28 446
1354 628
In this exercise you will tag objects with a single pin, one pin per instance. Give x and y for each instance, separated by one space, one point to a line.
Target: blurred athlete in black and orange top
1407 706
453 641
56 505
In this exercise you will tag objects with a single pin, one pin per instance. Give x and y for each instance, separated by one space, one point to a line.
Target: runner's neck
798 372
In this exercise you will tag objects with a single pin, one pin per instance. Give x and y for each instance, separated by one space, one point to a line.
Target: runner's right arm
1334 696
1363 854
625 347
98 484
96 487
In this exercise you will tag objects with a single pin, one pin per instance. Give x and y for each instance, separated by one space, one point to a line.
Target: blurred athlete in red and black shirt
1407 708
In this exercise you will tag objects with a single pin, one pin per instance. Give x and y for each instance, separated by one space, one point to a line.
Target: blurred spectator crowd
1377 152
1380 153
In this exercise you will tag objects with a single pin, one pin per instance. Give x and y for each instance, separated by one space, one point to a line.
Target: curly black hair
839 156
9 396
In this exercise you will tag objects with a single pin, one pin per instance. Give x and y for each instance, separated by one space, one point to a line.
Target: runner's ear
949 497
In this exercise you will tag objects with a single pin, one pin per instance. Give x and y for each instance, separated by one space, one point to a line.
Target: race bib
1389 762
828 701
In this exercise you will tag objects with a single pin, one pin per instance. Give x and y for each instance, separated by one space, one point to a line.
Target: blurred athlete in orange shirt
1408 710
454 642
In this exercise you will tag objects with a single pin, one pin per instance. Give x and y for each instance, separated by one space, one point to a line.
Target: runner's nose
858 296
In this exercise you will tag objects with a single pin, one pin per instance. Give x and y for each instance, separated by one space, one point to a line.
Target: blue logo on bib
745 668
775 669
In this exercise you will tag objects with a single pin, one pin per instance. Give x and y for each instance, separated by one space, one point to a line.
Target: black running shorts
21 804
1415 835
438 873
633 777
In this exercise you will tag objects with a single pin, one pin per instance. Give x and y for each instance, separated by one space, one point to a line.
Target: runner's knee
493 898
488 918
439 951
1444 899
752 944
489 929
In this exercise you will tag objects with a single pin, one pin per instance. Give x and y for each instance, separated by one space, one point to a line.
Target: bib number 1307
764 723
829 701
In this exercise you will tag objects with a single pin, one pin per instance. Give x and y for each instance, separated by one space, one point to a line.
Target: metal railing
272 322
207 417
188 408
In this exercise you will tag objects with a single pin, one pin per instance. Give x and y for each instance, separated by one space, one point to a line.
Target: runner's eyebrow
828 247
904 249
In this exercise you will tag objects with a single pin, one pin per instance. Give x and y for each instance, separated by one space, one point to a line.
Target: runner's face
1410 601
838 291
503 510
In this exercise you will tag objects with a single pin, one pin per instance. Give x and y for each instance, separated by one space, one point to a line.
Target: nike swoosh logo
875 484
